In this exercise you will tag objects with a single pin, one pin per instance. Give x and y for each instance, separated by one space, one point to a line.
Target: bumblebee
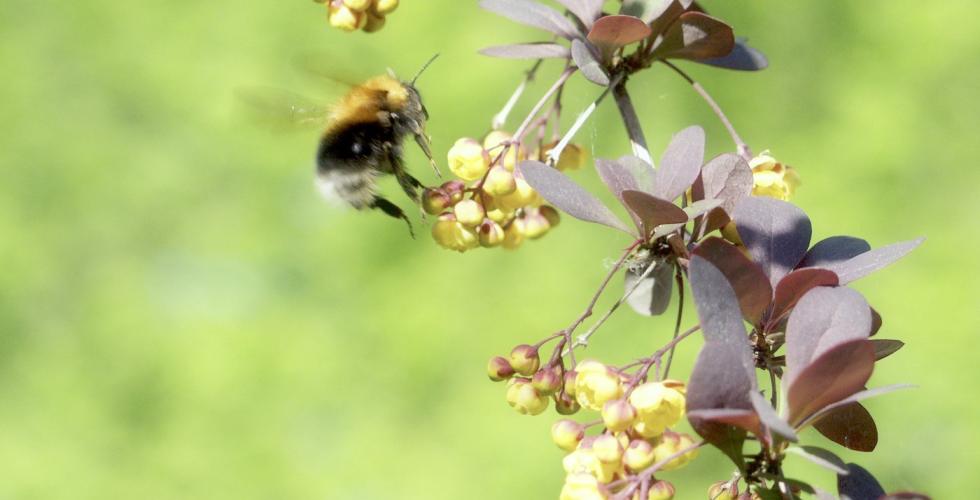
363 141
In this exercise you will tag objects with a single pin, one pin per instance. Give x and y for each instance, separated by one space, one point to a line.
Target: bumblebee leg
423 142
391 209
409 184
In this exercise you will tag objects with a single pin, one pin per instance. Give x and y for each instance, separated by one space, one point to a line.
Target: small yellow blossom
658 406
584 461
469 213
618 415
639 455
384 7
500 181
342 17
581 486
357 5
524 398
596 384
772 178
671 443
525 359
571 158
468 160
567 434
495 141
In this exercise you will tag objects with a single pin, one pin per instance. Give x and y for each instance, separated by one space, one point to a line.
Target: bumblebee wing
338 69
282 109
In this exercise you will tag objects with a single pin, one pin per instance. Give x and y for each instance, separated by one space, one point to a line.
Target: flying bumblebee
362 141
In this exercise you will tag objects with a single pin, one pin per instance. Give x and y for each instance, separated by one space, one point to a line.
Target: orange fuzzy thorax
363 102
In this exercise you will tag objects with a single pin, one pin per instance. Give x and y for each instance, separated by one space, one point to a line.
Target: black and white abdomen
350 160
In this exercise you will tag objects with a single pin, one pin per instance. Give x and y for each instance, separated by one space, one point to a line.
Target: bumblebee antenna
424 67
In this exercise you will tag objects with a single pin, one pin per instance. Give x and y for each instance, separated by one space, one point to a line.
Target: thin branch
501 118
679 277
648 472
556 151
583 339
743 149
632 122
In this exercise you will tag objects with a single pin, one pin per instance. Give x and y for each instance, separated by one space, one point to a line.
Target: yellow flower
469 213
773 179
639 455
384 7
571 158
357 5
596 384
584 461
618 415
452 235
468 160
494 142
567 434
581 487
671 443
525 398
500 181
658 406
524 195
340 16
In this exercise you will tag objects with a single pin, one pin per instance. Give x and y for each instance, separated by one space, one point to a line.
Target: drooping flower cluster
635 419
498 208
352 15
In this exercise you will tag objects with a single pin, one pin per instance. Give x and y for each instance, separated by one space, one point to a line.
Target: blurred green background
182 317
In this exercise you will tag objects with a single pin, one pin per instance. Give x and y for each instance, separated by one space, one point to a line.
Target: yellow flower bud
661 490
342 17
551 214
535 224
670 443
773 179
618 415
524 358
374 23
384 7
596 384
723 490
500 181
566 405
495 143
571 158
584 461
523 196
547 381
357 5
499 369
452 235
435 201
455 190
469 213
638 455
657 406
582 486
567 434
569 382
524 398
491 234
608 449
468 160
514 234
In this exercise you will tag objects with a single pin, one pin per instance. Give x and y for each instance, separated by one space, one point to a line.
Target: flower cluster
499 208
353 15
636 418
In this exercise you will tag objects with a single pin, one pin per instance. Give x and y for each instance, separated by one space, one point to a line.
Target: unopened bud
618 415
514 234
384 7
547 381
499 369
524 359
435 201
551 214
535 224
500 181
525 399
468 160
342 17
357 5
455 189
491 234
567 434
608 449
566 405
723 490
469 213
374 23
661 490
639 455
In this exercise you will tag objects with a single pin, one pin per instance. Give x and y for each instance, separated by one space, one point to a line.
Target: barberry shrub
771 305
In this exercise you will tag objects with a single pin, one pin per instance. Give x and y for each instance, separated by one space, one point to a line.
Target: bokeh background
182 317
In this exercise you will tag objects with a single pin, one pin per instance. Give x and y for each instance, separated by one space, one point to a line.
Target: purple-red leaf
533 14
745 277
821 457
834 250
776 234
681 163
747 420
794 286
727 177
724 372
869 262
822 319
886 347
838 373
696 36
850 426
767 414
854 398
527 51
565 194
642 172
651 294
742 58
858 484
652 211
588 63
586 10
613 32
